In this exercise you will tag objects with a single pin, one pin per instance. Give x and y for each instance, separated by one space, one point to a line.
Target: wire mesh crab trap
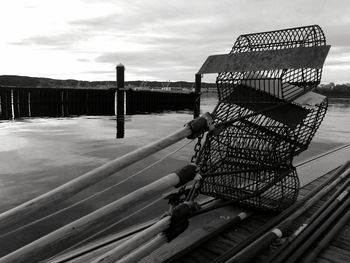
265 85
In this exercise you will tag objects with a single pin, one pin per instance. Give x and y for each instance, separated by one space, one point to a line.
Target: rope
96 194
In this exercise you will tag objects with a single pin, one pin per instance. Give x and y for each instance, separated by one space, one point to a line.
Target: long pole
328 238
308 226
262 243
70 234
270 224
329 219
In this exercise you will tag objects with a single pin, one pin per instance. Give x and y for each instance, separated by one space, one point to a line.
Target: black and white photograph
175 131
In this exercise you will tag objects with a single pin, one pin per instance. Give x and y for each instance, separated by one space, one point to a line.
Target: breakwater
17 102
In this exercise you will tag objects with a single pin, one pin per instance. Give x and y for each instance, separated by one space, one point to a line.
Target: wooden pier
22 101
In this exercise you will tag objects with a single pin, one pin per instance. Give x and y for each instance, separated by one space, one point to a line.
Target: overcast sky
155 40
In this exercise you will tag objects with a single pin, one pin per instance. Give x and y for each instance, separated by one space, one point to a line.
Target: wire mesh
253 152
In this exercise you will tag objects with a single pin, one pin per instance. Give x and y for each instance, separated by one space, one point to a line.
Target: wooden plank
290 58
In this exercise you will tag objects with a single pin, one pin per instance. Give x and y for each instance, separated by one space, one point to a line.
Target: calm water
42 153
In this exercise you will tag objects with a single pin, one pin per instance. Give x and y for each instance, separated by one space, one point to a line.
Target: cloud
66 40
167 39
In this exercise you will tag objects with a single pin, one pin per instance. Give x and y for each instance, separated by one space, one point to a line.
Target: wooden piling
29 107
197 104
120 101
12 105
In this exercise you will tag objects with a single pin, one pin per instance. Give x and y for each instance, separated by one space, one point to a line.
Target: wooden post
29 108
197 90
18 103
12 105
62 103
120 101
6 105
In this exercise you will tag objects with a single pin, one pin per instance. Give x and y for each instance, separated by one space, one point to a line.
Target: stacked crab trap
267 113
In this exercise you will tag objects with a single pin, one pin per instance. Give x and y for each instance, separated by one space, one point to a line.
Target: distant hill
24 81
330 90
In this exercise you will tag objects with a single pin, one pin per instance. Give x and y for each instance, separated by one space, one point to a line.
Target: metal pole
197 90
120 101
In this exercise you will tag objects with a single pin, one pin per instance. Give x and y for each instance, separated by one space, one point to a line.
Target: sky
155 39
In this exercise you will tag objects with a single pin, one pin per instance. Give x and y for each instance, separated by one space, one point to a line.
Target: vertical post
197 91
12 105
62 103
29 108
120 100
18 104
6 105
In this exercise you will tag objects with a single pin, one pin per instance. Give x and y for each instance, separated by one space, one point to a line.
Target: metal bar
302 57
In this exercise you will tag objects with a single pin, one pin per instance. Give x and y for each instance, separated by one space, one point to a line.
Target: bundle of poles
308 236
68 235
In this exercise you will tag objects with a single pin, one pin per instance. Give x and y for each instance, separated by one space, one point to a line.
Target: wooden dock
31 101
